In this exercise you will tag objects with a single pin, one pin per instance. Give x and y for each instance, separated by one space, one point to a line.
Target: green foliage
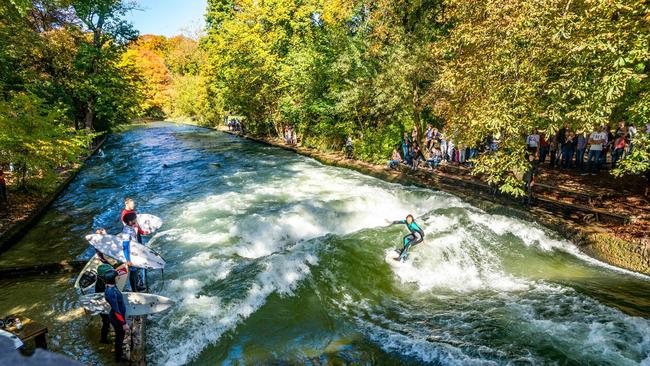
480 69
61 71
35 140
638 161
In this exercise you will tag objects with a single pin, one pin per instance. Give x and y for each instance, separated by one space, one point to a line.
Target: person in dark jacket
3 189
117 314
100 287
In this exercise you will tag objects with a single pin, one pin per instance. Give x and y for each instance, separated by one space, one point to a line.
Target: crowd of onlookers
436 150
566 149
234 124
586 152
289 135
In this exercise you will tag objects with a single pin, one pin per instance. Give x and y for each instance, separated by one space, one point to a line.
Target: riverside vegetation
331 69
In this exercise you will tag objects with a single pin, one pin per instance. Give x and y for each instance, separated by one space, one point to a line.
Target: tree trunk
90 111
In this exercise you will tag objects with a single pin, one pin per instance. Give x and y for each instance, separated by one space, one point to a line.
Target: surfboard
137 303
141 256
12 337
149 223
392 258
88 276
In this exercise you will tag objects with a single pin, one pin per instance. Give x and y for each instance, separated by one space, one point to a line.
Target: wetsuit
117 316
415 236
100 287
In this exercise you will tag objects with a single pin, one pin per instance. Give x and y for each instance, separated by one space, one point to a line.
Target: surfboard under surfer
415 236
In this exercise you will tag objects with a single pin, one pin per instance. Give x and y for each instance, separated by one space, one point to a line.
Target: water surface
275 258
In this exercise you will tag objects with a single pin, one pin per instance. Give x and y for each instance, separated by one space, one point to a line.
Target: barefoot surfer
415 236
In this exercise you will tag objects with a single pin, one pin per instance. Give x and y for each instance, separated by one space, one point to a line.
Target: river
275 258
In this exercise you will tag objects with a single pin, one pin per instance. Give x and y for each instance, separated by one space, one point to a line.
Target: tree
109 32
35 140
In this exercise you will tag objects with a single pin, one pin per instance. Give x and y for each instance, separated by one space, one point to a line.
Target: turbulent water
275 258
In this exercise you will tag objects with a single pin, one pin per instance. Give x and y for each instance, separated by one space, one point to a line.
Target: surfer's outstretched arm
395 222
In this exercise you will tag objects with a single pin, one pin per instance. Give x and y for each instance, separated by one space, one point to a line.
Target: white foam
263 240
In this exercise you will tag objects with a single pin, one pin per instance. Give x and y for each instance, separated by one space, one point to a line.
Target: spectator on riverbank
415 136
553 151
416 156
596 140
292 136
532 141
581 144
561 140
349 148
451 150
543 148
462 152
406 147
631 133
443 147
434 157
568 149
4 200
395 160
429 136
618 149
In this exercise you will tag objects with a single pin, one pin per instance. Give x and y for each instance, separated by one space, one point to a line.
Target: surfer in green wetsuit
415 236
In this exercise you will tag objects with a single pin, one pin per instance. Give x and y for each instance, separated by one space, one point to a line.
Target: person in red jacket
129 207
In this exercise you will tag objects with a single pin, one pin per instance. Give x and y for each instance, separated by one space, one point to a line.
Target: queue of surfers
107 273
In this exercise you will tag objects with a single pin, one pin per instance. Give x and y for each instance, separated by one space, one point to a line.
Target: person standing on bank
3 189
596 140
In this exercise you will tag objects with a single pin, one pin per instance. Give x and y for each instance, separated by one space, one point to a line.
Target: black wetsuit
117 317
100 287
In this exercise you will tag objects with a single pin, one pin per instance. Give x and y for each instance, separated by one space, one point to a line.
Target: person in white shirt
596 141
533 142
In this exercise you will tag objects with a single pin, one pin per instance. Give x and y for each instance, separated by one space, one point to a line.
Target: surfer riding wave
415 236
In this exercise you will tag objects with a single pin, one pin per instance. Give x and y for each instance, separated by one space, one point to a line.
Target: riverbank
26 208
596 231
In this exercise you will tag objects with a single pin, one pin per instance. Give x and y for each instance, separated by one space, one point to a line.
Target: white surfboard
137 303
12 337
141 256
86 280
149 223
392 258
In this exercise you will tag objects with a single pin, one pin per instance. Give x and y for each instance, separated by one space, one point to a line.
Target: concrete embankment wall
592 240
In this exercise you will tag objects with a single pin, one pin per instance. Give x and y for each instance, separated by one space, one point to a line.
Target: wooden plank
137 341
30 330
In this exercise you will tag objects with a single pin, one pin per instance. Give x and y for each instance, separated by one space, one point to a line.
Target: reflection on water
273 257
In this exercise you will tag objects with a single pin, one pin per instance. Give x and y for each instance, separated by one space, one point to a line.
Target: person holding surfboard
132 232
415 236
117 314
129 207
